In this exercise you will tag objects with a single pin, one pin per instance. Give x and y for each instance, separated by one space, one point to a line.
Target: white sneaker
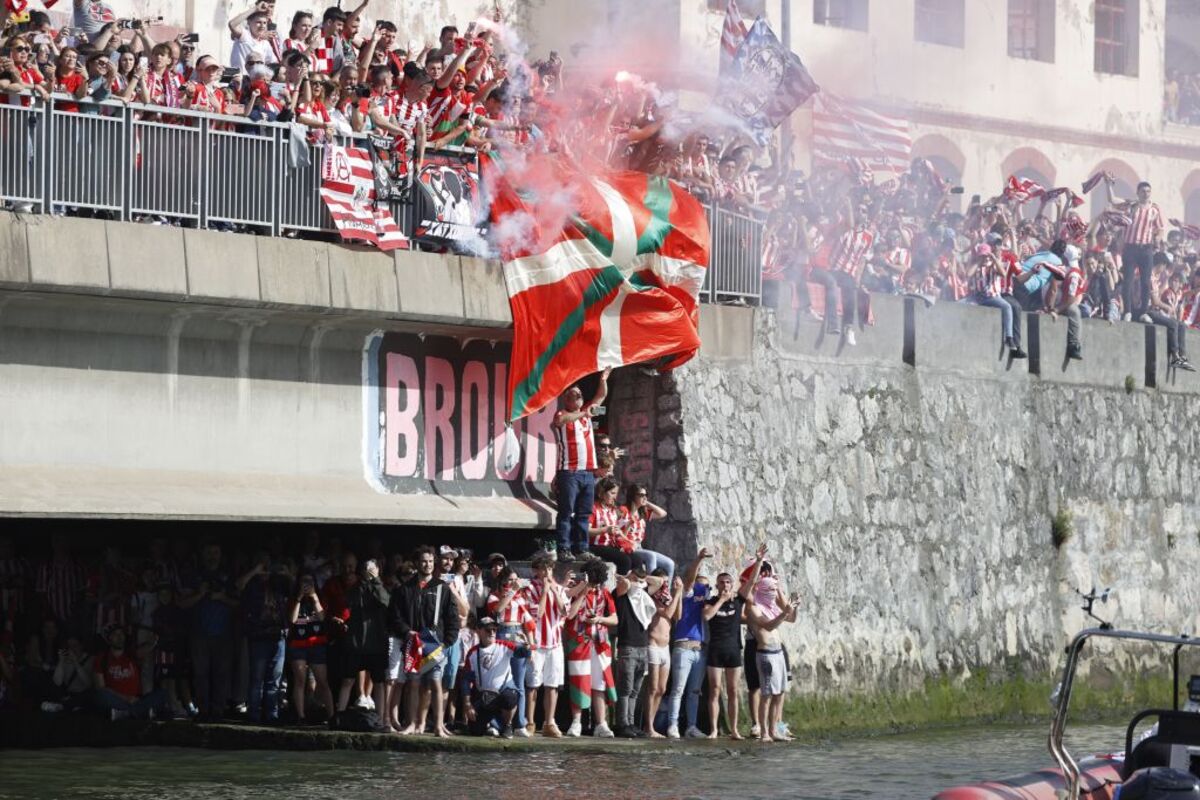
576 729
492 732
1128 317
755 731
520 733
602 731
850 340
673 732
365 702
695 733
1146 318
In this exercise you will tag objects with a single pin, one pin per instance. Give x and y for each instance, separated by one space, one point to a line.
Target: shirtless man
659 653
766 610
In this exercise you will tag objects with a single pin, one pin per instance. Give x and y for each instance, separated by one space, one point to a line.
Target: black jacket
367 628
412 609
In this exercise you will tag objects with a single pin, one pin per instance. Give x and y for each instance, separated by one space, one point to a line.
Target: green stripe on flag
598 239
605 281
659 201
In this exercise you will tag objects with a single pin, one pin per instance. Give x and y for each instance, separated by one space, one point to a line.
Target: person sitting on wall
1069 300
575 483
118 681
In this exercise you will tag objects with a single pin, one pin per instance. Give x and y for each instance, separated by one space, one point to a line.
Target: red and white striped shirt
1147 224
299 45
987 282
408 113
602 517
899 257
1191 309
598 602
61 582
549 624
851 251
576 447
633 525
515 613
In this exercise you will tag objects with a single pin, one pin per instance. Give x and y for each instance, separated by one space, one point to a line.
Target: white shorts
659 656
772 672
545 668
395 659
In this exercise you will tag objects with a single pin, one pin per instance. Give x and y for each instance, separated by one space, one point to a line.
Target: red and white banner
844 129
733 33
348 189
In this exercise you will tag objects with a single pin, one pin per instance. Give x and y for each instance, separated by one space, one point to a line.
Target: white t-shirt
492 665
247 46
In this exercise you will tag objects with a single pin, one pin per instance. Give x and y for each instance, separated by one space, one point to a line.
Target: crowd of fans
839 234
1182 97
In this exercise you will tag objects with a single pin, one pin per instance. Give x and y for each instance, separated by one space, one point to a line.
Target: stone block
293 272
964 338
363 280
726 332
430 285
881 341
221 266
146 258
14 249
1111 352
485 298
68 252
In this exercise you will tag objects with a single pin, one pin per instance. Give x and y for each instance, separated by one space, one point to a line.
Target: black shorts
750 664
725 655
374 664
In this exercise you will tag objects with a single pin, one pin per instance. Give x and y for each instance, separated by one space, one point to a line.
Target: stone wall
912 507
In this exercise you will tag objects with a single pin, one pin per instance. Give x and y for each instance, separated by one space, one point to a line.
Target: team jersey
632 525
163 90
548 633
68 84
602 517
576 447
597 602
208 98
1147 224
408 114
1074 284
851 251
515 613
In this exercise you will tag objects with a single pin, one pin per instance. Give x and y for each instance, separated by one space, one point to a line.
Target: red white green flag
601 271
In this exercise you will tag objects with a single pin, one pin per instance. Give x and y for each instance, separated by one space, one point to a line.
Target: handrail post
279 160
44 152
204 147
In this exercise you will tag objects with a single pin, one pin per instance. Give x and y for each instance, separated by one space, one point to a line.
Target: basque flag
601 271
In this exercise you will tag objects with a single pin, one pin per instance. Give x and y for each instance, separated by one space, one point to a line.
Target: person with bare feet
658 655
766 611
724 614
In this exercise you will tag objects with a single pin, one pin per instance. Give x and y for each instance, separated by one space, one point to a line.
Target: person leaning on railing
70 79
18 74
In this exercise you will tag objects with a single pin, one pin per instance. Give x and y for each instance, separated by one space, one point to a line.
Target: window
1031 29
940 22
841 13
1117 37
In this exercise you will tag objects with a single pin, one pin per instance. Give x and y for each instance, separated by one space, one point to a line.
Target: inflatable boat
1162 764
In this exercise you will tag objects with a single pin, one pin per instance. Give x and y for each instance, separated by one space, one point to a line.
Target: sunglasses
21 50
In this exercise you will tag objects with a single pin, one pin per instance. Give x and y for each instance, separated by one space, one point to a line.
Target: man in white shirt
494 696
252 38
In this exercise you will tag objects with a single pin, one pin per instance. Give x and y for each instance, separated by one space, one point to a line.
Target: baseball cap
494 557
488 622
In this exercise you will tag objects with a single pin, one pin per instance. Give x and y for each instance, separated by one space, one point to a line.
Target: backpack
358 720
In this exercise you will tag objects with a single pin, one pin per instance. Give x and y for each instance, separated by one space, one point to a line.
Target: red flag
848 129
348 189
1190 231
601 272
1076 200
1092 182
16 6
732 34
1022 190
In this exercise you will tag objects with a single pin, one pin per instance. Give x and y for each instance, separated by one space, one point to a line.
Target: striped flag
1076 200
348 189
1093 182
1190 231
732 34
845 129
1022 190
765 83
601 272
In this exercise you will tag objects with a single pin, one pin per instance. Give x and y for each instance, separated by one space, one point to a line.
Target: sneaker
1127 317
365 702
506 732
1017 352
673 732
1075 353
531 728
755 731
51 708
695 733
850 340
551 731
191 710
1146 319
602 731
23 208
629 733
1181 362
521 733
576 729
492 732
833 331
565 557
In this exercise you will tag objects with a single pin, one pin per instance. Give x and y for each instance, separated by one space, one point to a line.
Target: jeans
266 675
1135 278
575 490
654 560
1010 314
1176 346
490 706
687 675
1074 320
108 700
453 659
212 665
832 281
631 671
520 662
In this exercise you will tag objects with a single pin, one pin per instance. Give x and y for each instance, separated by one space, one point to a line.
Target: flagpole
785 135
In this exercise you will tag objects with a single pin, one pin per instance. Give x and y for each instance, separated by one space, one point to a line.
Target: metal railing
130 161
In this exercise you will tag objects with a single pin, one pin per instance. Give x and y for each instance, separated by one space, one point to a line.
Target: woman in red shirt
632 519
69 79
605 537
29 77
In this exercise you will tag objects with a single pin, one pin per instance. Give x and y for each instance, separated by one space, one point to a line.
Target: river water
901 767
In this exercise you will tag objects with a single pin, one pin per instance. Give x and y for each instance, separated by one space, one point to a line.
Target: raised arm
689 577
747 587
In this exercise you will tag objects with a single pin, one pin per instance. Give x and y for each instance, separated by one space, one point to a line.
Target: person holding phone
308 646
588 650
253 40
575 483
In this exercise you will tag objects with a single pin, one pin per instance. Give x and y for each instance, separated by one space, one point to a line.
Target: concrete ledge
146 259
362 280
67 253
1111 353
14 250
800 332
485 298
964 338
727 332
429 285
221 265
293 272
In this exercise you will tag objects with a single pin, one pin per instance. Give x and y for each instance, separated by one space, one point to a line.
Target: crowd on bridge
410 641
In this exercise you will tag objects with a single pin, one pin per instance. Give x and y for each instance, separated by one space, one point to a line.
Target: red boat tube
1099 778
